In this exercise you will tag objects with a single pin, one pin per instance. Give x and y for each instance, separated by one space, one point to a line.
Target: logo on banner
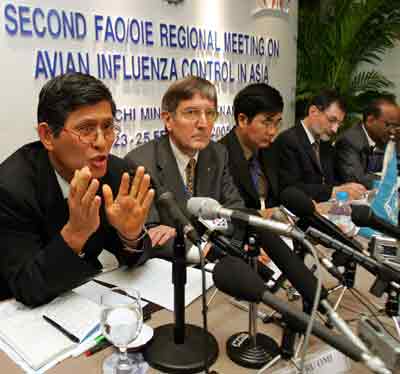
276 5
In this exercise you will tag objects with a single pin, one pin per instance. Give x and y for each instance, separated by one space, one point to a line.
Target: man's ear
313 111
167 119
242 120
371 119
46 135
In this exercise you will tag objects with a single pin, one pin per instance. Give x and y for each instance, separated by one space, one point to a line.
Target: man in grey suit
359 151
186 161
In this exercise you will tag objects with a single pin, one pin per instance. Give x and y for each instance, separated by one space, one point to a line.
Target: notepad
36 341
76 314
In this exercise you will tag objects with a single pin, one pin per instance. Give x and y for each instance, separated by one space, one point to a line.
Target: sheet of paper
76 314
154 282
93 291
22 334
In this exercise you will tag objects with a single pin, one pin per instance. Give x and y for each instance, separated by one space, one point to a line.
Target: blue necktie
255 171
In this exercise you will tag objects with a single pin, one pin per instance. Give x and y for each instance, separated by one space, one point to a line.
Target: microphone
167 201
219 233
284 258
303 207
384 272
208 208
363 215
291 265
250 287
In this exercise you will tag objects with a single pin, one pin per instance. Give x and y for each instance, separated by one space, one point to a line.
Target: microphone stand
178 347
248 348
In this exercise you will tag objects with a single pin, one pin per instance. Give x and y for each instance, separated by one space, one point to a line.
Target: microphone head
361 215
245 283
203 207
297 202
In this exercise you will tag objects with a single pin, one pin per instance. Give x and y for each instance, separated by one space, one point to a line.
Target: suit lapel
168 172
241 166
52 202
205 174
364 145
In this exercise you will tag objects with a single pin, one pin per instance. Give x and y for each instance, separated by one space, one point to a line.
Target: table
224 320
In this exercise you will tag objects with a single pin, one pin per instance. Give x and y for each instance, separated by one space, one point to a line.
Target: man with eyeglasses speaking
185 161
306 157
64 199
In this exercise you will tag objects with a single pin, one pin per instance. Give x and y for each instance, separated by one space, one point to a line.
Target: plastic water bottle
340 213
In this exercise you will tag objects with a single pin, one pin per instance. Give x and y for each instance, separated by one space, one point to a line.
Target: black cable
204 311
361 298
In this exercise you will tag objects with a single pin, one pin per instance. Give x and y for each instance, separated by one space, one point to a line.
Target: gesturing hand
128 211
84 217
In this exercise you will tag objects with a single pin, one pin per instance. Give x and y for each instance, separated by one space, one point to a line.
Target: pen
61 329
86 345
97 348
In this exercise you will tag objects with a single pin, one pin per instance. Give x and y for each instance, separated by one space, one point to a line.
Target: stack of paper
154 282
37 341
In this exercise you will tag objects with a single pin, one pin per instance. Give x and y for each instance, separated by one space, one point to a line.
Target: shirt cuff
136 245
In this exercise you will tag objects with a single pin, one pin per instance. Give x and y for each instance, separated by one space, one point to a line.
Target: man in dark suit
185 161
258 114
359 150
54 221
306 157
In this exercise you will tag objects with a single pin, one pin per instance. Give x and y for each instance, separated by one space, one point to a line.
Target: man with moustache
359 150
306 157
64 199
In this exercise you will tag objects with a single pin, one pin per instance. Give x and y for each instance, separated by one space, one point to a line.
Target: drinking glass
121 322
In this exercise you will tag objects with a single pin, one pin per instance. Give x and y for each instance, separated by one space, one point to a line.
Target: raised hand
84 205
127 213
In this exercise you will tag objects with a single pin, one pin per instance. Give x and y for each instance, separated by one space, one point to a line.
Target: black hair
257 98
66 93
325 98
373 107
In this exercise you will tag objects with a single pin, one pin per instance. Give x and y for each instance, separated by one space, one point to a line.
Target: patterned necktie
190 167
315 146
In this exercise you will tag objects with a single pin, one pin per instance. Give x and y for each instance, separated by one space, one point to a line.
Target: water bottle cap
342 196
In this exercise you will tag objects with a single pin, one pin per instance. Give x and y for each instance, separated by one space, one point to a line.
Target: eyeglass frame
199 114
330 120
116 129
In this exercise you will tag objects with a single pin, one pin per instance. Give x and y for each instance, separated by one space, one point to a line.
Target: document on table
154 282
37 342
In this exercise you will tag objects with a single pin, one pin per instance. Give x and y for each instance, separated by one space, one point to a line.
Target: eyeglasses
332 120
193 115
271 122
88 134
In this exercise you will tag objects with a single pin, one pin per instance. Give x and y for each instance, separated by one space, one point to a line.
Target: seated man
359 150
306 157
64 199
185 161
258 114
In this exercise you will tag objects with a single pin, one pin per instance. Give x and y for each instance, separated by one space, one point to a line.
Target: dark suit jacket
352 150
298 165
212 177
239 169
36 264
